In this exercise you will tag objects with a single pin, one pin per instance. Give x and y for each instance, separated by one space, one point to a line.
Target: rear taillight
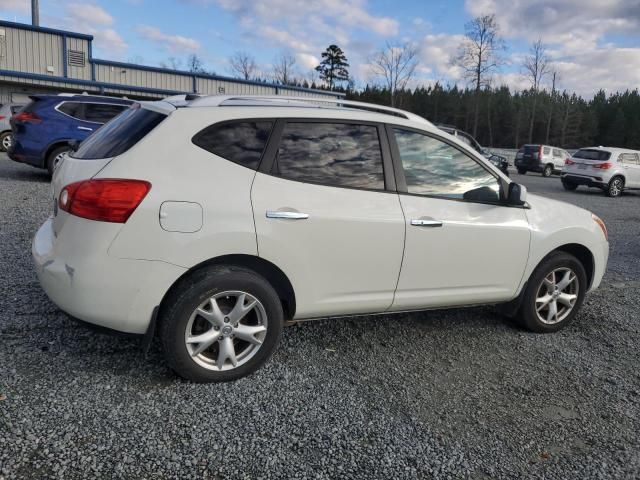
26 117
568 161
2 117
540 151
603 166
103 200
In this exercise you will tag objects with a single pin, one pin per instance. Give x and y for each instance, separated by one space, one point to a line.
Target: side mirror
74 144
517 194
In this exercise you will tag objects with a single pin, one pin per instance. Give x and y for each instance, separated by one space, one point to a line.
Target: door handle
86 129
287 215
426 223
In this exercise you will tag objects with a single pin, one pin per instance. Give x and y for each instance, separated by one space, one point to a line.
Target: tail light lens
103 200
540 151
2 117
26 117
603 166
568 161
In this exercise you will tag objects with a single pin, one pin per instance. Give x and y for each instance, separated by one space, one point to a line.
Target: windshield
120 134
592 154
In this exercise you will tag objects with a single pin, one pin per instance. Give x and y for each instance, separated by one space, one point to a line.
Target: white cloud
307 61
89 13
172 43
20 6
437 52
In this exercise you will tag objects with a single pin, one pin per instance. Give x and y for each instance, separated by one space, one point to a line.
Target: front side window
242 142
334 154
433 167
557 153
101 112
629 158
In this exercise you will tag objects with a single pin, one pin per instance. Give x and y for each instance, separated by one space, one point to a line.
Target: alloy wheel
616 187
226 330
557 295
6 142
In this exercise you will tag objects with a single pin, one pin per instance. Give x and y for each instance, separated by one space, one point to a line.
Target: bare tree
395 65
283 68
172 62
243 65
479 55
195 64
536 67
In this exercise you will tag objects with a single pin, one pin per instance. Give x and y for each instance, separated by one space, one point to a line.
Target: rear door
462 246
558 158
325 213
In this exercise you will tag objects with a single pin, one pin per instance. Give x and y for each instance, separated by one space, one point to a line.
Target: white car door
631 165
558 158
322 215
462 245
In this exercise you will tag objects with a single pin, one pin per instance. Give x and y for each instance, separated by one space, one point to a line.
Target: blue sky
592 43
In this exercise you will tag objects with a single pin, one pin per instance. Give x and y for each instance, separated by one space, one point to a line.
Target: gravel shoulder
444 394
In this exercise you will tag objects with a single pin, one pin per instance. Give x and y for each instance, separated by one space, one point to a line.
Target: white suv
214 221
543 159
611 169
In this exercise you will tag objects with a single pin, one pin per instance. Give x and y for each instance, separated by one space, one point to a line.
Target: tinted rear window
592 154
102 112
119 135
530 149
242 142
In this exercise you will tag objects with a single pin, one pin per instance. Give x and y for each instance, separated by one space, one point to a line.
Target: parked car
6 111
543 159
215 221
498 160
611 169
43 130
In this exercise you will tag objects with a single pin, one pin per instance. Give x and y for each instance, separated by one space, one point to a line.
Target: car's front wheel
554 293
220 324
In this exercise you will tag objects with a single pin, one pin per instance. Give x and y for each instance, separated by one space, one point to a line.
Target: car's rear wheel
615 187
522 171
547 171
569 185
6 140
554 293
55 157
220 324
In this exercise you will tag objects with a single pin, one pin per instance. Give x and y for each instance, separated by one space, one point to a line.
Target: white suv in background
543 159
214 221
611 169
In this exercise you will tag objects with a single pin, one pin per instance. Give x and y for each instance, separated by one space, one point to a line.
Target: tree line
495 115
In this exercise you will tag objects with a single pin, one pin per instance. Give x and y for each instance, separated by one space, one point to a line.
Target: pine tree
333 67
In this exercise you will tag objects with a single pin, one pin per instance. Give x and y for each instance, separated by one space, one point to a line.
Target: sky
593 44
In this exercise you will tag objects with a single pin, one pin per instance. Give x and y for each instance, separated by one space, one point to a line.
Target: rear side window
592 154
334 154
630 158
546 150
241 142
101 112
119 135
73 109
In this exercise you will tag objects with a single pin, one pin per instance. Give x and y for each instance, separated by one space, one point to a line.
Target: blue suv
46 128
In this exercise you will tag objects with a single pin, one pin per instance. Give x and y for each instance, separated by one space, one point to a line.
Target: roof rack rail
282 100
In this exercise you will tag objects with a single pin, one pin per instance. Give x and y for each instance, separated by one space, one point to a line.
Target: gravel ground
447 394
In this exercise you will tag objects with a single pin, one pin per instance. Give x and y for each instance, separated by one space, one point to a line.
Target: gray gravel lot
447 394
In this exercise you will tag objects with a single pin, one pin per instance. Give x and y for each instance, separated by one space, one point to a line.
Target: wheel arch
273 274
52 146
584 256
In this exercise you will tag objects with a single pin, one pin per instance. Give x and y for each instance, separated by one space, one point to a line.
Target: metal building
44 60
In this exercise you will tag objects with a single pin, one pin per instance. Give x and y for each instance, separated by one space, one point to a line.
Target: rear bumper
21 155
119 294
534 166
587 180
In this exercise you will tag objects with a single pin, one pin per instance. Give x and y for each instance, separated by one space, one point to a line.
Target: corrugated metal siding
143 78
83 73
31 52
210 86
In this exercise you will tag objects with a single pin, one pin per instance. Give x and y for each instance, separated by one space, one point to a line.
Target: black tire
51 159
547 171
615 187
5 137
569 185
527 315
190 293
522 171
